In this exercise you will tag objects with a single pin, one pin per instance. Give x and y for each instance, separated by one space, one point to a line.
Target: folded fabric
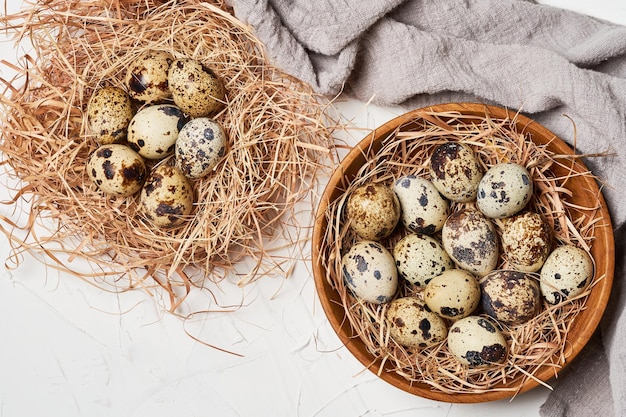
544 61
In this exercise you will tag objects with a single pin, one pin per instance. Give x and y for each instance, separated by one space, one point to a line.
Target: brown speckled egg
420 258
455 171
109 112
167 196
195 88
471 240
511 297
566 273
412 324
526 241
201 144
146 77
423 209
453 295
373 211
476 342
116 169
369 272
154 130
504 190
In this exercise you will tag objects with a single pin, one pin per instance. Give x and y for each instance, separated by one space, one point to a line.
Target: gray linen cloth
546 61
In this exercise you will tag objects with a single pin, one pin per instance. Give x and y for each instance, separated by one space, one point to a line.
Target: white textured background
70 349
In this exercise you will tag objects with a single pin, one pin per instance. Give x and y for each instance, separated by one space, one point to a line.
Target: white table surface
70 349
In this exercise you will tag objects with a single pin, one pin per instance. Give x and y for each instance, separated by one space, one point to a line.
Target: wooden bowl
586 193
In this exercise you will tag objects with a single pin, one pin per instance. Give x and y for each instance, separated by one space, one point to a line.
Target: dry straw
540 342
245 209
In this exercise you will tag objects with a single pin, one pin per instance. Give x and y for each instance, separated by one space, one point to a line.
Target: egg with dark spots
504 190
369 272
167 196
412 324
526 241
153 131
109 111
455 171
567 272
147 76
454 294
420 258
471 240
200 146
475 341
116 169
373 211
423 209
195 88
511 297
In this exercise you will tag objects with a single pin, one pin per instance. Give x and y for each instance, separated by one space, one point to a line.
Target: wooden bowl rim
602 249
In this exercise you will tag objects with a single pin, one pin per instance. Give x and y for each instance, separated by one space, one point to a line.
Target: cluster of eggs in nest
451 257
165 109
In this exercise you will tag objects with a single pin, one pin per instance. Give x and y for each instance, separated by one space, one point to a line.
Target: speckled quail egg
526 240
566 273
200 146
167 196
454 294
511 297
154 129
423 209
109 112
455 171
419 258
476 342
369 272
413 325
373 211
146 76
116 169
471 240
504 190
195 88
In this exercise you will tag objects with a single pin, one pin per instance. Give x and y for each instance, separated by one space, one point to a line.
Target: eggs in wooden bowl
497 344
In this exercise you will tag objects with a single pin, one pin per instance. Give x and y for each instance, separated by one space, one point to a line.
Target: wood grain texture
586 193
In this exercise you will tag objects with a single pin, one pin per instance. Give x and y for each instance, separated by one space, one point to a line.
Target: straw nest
540 342
245 209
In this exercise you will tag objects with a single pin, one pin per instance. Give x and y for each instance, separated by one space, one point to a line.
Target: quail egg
369 272
419 258
453 295
566 273
471 240
476 342
423 209
511 297
455 171
146 77
200 146
373 211
412 324
526 241
167 196
116 169
195 88
109 112
504 190
154 130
